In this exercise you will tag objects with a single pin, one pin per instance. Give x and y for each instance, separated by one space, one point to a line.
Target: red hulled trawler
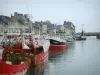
57 44
19 51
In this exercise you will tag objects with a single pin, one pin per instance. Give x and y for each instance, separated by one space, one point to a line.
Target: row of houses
17 20
66 28
42 27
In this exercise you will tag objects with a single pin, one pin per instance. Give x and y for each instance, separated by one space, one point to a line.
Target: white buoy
22 62
9 62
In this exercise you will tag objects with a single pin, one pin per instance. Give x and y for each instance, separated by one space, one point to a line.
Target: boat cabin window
36 38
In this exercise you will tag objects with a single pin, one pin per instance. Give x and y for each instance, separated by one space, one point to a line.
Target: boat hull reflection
38 70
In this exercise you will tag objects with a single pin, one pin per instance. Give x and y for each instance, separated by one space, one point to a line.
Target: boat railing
1 52
16 50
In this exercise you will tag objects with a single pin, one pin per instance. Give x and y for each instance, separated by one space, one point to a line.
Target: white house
44 28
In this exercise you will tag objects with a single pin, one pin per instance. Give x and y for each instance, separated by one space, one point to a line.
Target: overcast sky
79 12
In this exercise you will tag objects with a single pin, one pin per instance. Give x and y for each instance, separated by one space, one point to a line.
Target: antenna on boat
82 26
23 40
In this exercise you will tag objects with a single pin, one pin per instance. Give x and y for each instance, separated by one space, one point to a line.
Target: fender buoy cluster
36 43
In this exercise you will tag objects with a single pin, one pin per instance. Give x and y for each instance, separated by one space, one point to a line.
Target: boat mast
55 29
82 30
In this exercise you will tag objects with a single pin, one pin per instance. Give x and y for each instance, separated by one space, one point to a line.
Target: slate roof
22 18
37 24
50 27
58 27
5 19
67 24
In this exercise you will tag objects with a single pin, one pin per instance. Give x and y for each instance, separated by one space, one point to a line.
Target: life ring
36 42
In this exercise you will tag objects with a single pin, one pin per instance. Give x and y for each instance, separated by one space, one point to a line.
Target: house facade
69 28
5 21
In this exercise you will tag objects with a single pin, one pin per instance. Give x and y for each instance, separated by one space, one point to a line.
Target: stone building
16 21
5 21
69 28
45 27
60 29
22 20
37 26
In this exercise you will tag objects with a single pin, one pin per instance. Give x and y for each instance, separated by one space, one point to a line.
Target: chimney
21 14
15 14
12 16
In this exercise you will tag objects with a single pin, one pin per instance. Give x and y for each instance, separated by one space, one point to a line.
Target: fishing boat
40 47
15 58
98 37
19 53
57 44
81 36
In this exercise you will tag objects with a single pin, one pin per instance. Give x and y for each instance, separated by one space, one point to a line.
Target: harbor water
81 58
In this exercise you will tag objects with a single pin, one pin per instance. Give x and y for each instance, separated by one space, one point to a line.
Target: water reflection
38 70
81 58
